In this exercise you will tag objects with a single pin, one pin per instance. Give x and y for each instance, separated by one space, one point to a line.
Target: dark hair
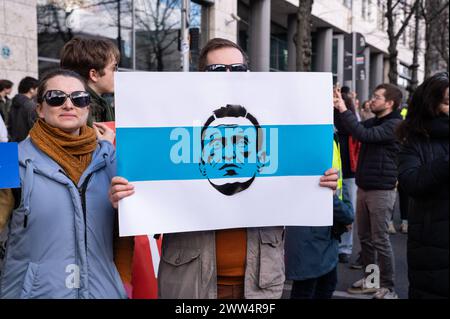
26 84
345 90
423 106
392 93
348 101
364 103
51 74
234 111
5 84
83 54
215 44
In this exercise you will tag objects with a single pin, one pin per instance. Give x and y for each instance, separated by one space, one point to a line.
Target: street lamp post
185 10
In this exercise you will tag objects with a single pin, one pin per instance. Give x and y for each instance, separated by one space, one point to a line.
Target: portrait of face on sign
231 144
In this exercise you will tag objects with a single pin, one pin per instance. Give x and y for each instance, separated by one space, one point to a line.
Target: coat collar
43 164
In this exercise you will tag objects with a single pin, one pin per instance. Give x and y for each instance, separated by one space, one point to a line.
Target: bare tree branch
406 21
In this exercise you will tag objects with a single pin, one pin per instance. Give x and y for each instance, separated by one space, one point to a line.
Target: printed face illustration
230 158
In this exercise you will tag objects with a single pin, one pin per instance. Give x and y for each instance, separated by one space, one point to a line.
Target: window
155 27
381 19
278 48
348 3
366 9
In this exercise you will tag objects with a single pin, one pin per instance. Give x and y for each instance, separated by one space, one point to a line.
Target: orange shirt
231 255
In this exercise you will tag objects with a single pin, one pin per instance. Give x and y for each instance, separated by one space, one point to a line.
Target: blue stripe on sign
146 154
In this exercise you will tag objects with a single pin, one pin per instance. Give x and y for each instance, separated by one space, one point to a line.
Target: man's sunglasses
238 67
58 98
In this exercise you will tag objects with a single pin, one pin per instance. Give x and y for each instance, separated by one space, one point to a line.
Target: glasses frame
46 97
228 67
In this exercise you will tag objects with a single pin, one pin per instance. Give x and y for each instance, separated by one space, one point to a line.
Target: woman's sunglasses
238 67
58 98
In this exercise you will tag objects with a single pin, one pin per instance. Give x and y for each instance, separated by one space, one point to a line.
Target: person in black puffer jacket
424 173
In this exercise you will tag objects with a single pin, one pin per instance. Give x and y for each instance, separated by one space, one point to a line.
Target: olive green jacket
101 110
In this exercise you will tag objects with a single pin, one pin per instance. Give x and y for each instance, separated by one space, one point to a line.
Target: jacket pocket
29 283
271 269
180 274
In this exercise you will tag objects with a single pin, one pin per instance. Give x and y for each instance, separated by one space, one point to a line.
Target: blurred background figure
23 109
5 101
348 172
364 111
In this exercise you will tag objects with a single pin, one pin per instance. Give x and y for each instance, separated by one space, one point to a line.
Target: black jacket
21 118
377 162
424 173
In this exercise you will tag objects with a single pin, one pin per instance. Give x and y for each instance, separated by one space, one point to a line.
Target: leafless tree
54 16
435 14
396 28
160 22
416 51
303 37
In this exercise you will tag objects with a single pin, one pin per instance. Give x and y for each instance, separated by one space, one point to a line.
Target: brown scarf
72 153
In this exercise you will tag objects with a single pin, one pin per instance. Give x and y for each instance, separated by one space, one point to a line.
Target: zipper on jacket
82 192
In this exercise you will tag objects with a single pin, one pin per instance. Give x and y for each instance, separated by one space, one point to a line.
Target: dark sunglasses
58 98
238 67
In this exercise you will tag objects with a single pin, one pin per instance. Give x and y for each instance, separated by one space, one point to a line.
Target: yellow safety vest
337 164
403 112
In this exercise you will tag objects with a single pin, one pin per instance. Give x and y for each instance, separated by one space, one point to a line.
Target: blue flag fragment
9 165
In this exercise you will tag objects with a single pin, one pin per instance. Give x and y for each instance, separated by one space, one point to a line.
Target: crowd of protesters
58 231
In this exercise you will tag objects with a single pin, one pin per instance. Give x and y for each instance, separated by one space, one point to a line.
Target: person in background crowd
348 175
312 252
402 201
95 60
424 176
364 112
235 263
376 177
61 221
23 109
5 102
3 131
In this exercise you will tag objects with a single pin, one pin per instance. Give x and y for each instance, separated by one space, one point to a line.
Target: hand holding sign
105 131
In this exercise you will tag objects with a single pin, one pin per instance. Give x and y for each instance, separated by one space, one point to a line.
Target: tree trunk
436 14
392 48
415 64
394 35
303 38
119 28
393 55
159 59
428 40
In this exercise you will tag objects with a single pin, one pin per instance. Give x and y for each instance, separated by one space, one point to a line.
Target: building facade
32 33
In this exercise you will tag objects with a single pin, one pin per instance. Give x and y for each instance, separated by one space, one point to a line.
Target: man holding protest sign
230 263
